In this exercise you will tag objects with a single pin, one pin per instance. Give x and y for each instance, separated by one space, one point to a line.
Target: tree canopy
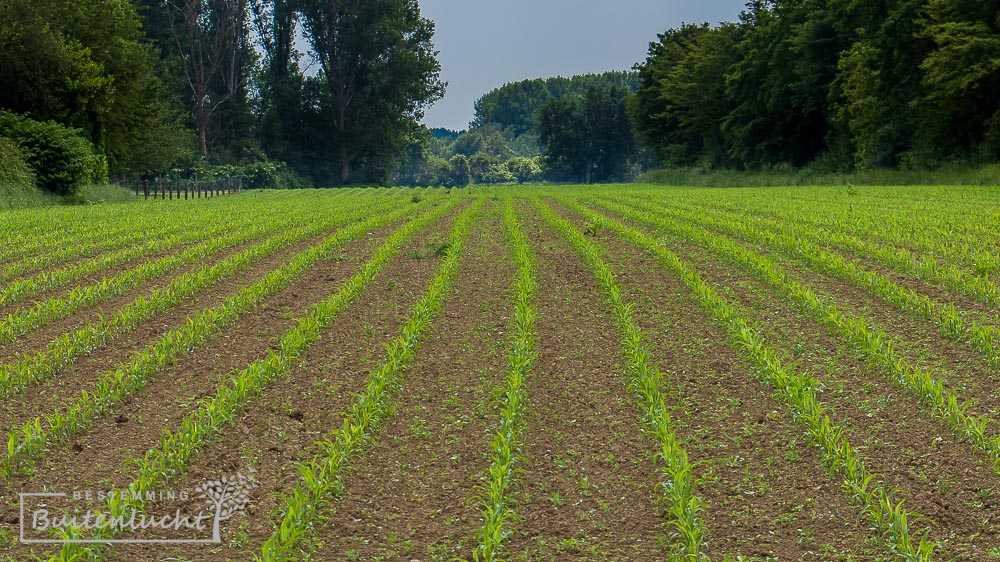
835 84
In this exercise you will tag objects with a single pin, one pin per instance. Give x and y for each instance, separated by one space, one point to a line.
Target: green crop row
176 449
102 228
132 376
321 475
98 241
495 504
22 289
676 483
22 321
872 341
914 227
798 391
901 260
16 376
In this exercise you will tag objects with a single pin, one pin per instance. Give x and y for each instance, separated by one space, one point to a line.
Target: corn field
551 373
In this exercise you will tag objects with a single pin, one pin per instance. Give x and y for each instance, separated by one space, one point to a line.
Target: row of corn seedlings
320 476
494 501
57 253
951 324
22 289
901 260
132 376
871 340
74 234
176 450
798 391
254 225
16 376
676 482
22 321
911 230
112 227
109 227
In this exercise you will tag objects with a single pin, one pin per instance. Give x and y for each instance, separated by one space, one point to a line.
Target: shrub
525 169
14 170
498 173
62 159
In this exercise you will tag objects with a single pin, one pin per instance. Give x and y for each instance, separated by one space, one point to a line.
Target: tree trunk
345 160
203 138
345 164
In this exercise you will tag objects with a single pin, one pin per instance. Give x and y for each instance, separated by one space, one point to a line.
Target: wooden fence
183 189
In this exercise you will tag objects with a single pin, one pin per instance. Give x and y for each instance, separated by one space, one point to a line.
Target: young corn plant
22 289
951 324
676 479
796 390
494 501
22 321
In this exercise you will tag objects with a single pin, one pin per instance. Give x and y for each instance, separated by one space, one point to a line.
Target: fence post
145 188
136 187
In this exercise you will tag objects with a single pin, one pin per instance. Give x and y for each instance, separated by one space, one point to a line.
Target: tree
280 81
84 64
212 40
380 69
682 97
460 174
962 74
588 138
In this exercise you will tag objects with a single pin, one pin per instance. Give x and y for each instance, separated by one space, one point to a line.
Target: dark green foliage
460 172
62 159
379 70
682 99
587 138
83 64
834 85
14 169
513 107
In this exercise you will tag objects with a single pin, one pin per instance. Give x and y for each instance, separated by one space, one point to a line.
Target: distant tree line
557 129
837 85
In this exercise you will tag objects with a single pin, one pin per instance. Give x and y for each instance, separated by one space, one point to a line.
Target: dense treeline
216 86
833 84
556 129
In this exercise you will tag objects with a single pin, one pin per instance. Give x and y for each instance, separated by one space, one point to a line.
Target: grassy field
621 373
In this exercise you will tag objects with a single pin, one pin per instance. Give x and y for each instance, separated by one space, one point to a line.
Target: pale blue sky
484 43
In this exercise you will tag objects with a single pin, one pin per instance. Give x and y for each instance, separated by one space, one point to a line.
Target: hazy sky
485 44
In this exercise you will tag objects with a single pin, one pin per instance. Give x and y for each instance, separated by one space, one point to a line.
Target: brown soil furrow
59 292
587 489
39 338
292 415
